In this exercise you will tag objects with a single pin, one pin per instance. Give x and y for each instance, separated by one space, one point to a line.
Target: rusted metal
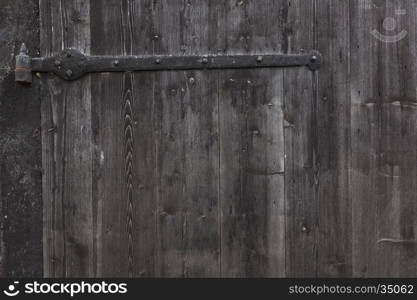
23 72
71 64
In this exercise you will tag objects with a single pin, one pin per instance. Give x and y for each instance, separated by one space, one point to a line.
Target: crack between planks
219 205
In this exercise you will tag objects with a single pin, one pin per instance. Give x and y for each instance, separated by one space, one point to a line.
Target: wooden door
230 173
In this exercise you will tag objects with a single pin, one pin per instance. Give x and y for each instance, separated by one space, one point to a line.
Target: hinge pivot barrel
23 70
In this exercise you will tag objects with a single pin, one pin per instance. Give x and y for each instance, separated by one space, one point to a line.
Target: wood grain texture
145 212
170 122
383 167
301 145
169 146
187 148
231 173
332 117
20 147
113 117
202 144
251 146
67 147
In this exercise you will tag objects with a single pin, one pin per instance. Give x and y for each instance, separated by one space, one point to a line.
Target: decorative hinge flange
71 64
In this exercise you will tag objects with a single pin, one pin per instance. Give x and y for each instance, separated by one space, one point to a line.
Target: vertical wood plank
251 145
187 146
170 169
301 145
67 147
202 184
383 171
113 139
202 145
145 137
333 124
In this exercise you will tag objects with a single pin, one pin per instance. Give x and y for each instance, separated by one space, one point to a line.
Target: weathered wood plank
251 146
67 147
20 147
202 180
187 147
332 116
127 205
52 204
170 153
231 173
113 139
144 212
384 136
301 145
202 145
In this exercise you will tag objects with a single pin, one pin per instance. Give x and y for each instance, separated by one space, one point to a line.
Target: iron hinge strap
71 64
